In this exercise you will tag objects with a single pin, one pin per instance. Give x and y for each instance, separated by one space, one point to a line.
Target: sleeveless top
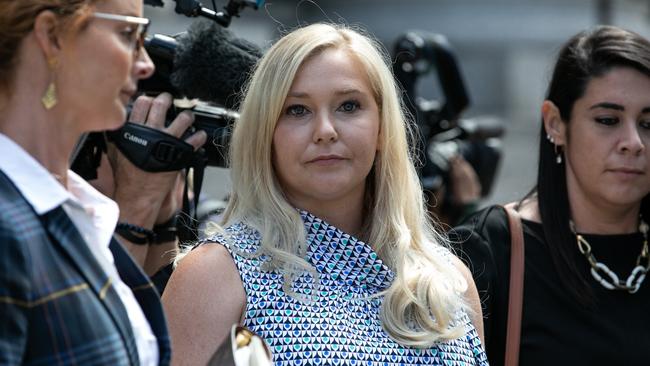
339 323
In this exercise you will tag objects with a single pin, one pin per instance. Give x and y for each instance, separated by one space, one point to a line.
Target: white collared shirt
93 214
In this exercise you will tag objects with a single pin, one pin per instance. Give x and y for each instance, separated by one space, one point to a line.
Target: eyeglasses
137 42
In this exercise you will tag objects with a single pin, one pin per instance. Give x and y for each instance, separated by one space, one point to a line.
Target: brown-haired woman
69 293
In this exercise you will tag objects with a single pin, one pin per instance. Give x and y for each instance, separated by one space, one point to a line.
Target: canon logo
136 139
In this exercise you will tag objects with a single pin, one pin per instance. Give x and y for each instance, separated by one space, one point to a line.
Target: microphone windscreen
212 65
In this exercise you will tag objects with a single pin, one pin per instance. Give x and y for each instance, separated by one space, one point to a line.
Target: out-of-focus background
505 49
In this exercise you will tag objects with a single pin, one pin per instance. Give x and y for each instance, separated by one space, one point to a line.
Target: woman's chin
111 122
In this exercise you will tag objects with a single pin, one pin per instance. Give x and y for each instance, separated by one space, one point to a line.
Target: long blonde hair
421 305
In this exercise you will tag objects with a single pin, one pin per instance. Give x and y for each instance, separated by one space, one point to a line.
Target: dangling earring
49 99
550 138
558 154
558 151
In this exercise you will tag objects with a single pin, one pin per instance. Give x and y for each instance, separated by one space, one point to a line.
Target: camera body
217 122
477 140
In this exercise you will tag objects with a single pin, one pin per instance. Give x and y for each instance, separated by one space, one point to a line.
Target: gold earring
49 99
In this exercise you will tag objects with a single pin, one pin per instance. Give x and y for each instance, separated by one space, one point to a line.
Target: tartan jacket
57 306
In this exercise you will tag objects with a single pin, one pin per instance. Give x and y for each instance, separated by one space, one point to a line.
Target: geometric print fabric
339 324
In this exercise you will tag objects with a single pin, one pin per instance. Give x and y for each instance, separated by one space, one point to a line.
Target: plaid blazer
57 306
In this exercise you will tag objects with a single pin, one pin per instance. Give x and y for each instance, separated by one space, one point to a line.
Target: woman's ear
47 33
553 124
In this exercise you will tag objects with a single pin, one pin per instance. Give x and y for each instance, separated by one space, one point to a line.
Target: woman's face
325 141
606 152
98 70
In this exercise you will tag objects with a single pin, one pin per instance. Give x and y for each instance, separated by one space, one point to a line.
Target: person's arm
465 188
472 299
162 253
203 299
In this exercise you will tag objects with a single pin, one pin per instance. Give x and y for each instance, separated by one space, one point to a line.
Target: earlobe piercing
550 138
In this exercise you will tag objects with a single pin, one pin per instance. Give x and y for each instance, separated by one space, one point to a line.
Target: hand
465 185
147 198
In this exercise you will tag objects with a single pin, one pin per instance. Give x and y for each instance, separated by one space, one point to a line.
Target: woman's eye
349 106
296 110
129 33
608 121
645 124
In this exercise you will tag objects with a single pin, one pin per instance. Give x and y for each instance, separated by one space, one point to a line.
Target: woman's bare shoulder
203 299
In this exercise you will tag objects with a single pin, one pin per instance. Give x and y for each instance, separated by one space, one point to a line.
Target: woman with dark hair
585 225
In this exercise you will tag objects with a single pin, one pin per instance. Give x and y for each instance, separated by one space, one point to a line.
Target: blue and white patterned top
340 326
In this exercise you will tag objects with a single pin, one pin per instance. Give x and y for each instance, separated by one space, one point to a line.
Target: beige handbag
242 347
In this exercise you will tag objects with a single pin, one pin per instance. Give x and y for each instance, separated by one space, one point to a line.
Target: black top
556 329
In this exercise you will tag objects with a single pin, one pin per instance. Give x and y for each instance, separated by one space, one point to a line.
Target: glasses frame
142 23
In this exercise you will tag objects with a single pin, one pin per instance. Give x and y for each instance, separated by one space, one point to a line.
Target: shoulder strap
516 292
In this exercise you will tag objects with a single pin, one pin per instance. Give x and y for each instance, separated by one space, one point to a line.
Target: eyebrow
615 106
338 92
608 105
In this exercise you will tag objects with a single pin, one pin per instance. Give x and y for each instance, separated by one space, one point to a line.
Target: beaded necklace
605 276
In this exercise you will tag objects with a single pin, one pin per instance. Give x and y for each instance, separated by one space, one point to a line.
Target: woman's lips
326 160
626 173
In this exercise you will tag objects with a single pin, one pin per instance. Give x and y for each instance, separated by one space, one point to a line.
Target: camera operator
460 156
68 290
149 202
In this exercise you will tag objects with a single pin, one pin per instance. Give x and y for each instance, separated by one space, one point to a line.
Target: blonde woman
327 251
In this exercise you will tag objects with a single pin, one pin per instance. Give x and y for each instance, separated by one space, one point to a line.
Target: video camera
206 63
442 133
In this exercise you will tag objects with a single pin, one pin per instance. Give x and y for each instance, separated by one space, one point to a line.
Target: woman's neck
590 219
45 137
602 218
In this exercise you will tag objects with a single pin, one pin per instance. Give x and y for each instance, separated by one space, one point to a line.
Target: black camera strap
155 151
188 230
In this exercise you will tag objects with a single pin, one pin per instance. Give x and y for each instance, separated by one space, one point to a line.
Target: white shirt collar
101 211
35 183
44 192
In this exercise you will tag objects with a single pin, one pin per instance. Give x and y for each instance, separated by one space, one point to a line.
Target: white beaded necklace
605 276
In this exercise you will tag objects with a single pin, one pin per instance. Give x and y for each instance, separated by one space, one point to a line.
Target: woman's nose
143 67
324 130
632 141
